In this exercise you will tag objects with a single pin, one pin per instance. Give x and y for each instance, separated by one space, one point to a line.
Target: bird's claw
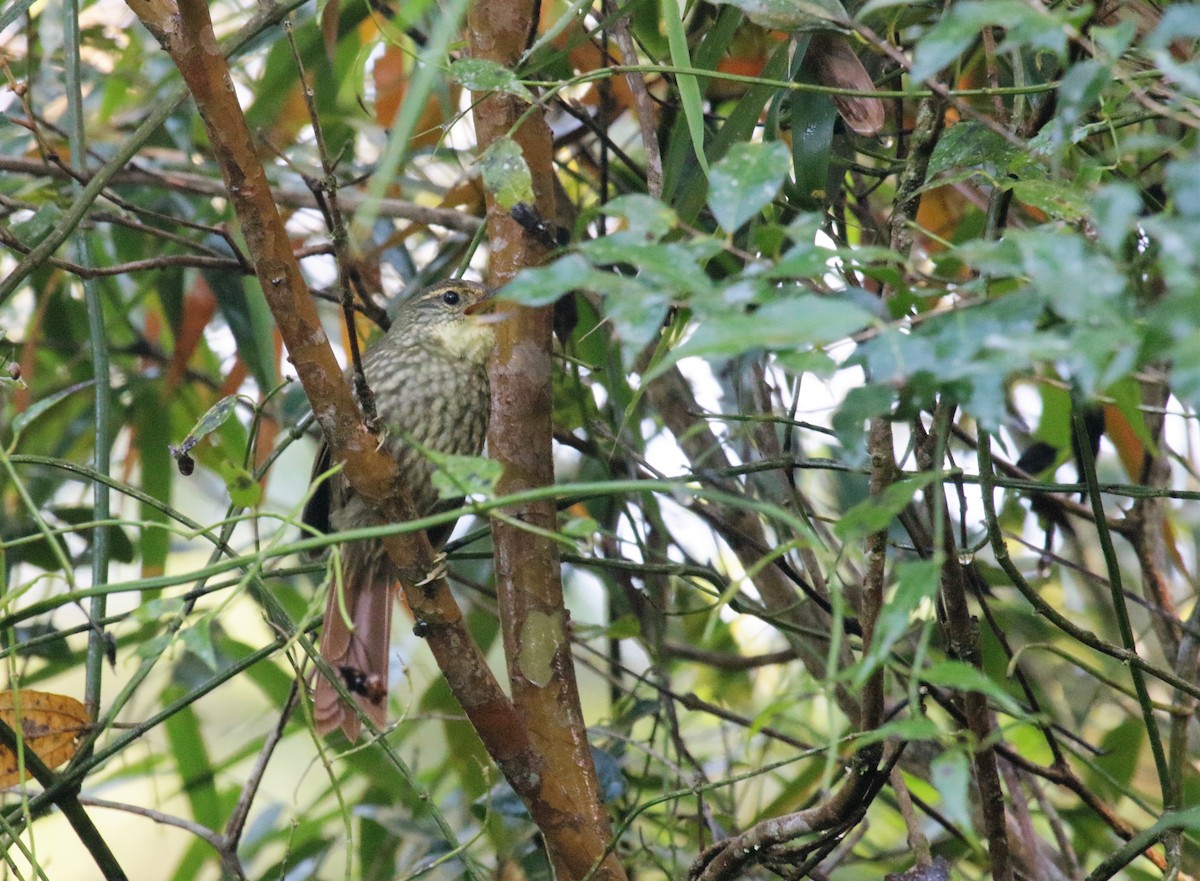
436 572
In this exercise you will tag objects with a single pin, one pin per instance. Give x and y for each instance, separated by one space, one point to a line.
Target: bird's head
449 314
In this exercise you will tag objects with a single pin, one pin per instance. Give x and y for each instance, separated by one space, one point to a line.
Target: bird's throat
469 340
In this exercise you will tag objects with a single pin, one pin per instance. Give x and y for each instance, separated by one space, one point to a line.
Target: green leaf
1054 424
812 116
1184 186
746 180
789 324
1114 212
815 362
1127 397
645 217
212 419
482 75
971 144
960 25
245 310
916 582
190 748
579 527
198 639
961 676
244 490
506 174
950 774
1180 22
876 514
860 405
920 728
152 648
1076 281
625 627
543 285
458 476
1080 90
689 88
967 354
37 408
1054 197
153 439
1121 749
32 230
793 15
676 269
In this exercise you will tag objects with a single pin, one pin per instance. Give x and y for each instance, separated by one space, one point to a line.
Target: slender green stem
1087 463
1130 850
1051 614
98 341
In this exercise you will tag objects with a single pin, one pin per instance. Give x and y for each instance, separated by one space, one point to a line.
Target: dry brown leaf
50 724
836 65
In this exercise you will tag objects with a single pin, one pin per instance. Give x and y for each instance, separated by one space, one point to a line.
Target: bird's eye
451 298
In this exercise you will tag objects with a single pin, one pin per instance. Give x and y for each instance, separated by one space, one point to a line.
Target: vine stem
98 641
1087 463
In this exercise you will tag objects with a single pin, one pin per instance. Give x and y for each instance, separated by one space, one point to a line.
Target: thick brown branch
533 617
186 33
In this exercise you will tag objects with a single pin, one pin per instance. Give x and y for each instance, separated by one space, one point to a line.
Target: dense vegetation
868 339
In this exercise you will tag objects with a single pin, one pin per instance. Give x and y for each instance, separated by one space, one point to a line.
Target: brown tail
359 655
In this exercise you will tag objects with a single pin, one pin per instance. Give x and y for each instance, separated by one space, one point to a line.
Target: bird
429 378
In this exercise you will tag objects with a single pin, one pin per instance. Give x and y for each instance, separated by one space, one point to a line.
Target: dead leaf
836 65
50 724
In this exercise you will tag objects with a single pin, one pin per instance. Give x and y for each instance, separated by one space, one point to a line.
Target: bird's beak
485 305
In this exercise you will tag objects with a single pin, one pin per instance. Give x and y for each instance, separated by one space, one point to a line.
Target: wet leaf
482 75
971 144
748 178
506 174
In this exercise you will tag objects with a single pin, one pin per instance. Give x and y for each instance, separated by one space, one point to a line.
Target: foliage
843 546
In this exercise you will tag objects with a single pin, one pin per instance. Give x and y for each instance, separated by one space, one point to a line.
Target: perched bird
429 377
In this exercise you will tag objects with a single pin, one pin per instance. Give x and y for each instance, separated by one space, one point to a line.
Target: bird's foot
436 572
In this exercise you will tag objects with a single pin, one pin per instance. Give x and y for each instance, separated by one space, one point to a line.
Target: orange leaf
1132 453
199 307
391 85
50 724
234 379
940 211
